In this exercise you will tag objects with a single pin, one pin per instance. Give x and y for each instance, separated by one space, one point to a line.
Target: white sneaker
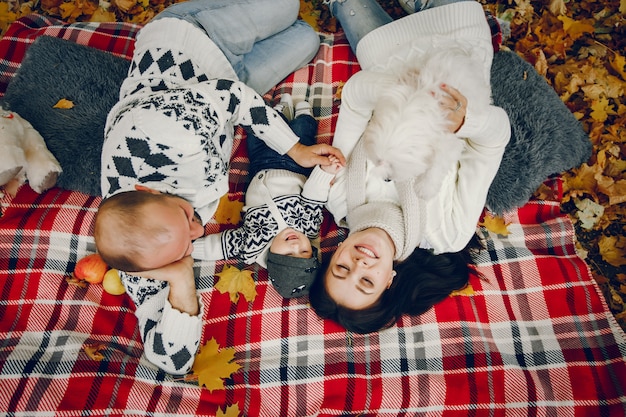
303 107
285 106
408 5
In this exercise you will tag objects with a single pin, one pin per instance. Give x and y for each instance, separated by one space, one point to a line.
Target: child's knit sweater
275 199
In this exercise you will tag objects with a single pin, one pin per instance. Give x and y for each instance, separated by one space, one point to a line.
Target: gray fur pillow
546 138
53 69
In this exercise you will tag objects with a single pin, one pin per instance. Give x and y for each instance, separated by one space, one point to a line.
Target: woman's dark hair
422 280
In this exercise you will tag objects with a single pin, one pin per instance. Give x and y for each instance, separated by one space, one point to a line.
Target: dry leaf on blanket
234 281
64 104
94 351
212 365
495 224
231 411
468 290
228 211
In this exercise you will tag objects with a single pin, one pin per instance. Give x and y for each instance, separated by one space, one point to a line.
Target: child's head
292 263
143 230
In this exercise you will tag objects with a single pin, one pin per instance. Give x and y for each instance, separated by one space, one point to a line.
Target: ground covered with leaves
578 46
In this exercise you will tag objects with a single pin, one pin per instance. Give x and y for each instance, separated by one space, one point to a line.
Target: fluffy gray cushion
53 69
546 138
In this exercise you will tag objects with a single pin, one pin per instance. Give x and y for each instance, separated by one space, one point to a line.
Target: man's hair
121 222
423 280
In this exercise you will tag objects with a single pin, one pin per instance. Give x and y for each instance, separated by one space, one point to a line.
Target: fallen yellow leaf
64 104
94 351
212 365
495 224
234 281
230 411
468 290
228 211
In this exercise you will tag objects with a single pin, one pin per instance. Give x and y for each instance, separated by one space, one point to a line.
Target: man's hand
182 281
319 154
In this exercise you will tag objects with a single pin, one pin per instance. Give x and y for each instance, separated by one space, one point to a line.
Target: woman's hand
319 154
455 104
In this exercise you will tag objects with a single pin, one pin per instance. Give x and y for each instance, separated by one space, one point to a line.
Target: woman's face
361 269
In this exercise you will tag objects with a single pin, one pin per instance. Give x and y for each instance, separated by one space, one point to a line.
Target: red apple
91 268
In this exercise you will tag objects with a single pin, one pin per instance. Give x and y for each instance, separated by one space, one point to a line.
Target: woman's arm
462 198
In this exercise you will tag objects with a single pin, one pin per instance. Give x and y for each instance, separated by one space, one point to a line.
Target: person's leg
274 58
358 17
263 157
238 26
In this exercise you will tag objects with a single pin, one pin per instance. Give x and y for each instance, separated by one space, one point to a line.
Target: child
167 149
283 211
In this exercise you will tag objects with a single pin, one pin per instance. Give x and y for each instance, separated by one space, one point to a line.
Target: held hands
334 167
319 154
456 105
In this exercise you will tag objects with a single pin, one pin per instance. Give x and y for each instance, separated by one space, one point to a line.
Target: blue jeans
262 39
263 157
359 17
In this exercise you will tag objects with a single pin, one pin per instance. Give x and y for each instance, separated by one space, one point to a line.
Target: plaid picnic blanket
534 337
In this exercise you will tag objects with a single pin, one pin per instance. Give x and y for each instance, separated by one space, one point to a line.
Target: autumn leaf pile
578 46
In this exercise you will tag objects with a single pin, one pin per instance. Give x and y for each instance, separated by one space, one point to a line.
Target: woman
391 224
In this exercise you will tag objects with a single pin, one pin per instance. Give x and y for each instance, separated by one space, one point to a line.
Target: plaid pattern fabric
535 339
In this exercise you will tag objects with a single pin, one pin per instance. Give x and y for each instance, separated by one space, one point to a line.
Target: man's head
144 229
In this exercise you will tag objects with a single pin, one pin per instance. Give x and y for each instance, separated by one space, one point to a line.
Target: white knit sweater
358 200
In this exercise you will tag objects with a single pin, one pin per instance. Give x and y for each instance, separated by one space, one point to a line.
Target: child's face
179 227
292 243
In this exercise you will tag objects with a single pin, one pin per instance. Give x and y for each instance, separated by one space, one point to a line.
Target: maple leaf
212 365
613 249
74 9
309 14
618 63
94 351
230 411
102 15
468 290
6 16
234 281
228 211
575 28
495 224
589 212
602 108
63 104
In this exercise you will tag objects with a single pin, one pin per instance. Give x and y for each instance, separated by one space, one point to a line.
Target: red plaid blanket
534 339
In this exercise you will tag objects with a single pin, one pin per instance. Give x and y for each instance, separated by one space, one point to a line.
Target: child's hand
334 167
319 154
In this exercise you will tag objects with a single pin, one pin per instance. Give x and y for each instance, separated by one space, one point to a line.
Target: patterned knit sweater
172 131
275 200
